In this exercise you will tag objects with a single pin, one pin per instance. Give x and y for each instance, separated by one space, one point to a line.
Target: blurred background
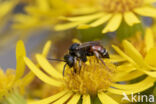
33 22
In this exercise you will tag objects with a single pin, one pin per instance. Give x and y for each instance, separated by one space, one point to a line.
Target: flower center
93 77
120 5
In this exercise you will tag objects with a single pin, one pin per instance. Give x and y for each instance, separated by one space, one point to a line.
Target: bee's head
69 60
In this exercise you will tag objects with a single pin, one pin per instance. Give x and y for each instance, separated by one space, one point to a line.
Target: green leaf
126 31
90 34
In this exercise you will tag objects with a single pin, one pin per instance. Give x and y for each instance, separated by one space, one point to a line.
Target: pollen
92 78
120 5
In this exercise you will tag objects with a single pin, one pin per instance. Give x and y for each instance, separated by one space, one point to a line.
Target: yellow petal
106 99
68 25
83 18
63 99
83 26
2 73
2 93
116 58
131 18
86 99
134 85
74 99
75 40
27 79
46 48
129 68
152 74
123 54
113 24
133 53
84 10
146 11
20 53
78 21
6 7
149 39
150 58
42 76
128 76
47 67
128 92
60 66
149 1
50 99
101 20
43 5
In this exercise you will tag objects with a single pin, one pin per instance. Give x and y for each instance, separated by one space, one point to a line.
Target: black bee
79 52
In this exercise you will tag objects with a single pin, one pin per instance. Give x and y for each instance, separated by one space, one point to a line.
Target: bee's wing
88 44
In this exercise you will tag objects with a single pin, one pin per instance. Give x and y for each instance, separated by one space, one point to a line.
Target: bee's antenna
56 59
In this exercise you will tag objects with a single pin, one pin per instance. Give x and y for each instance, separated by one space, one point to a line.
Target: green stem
14 98
95 100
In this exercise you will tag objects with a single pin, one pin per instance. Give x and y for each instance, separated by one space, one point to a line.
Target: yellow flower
13 81
113 13
141 59
94 80
41 13
6 7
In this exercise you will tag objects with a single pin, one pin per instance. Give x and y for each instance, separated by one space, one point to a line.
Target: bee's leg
98 57
64 68
75 63
80 64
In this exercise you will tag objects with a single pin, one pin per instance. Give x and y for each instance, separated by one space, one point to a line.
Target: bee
79 52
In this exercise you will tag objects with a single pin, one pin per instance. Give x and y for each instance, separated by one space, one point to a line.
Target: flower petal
6 7
63 99
129 68
113 24
128 92
27 79
46 48
20 53
149 1
75 40
87 17
133 53
116 58
101 20
106 99
150 58
50 99
69 25
83 26
128 76
84 10
42 76
43 5
47 67
149 39
131 18
135 85
123 54
146 11
152 74
74 99
86 99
